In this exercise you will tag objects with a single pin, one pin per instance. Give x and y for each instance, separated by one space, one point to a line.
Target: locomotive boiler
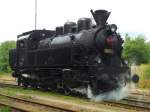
73 57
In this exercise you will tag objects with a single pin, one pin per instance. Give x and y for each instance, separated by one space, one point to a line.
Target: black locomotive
73 57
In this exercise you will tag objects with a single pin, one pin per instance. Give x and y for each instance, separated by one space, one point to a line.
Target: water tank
84 24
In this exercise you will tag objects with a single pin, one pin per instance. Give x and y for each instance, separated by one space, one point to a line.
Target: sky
17 16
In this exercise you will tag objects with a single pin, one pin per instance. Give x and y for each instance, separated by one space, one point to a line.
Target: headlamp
113 28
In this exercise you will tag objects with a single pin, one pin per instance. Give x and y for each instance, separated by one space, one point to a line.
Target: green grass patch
144 73
5 109
6 76
29 92
4 73
147 72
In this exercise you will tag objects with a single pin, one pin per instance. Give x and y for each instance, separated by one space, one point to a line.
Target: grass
4 73
147 72
5 109
6 76
144 72
28 92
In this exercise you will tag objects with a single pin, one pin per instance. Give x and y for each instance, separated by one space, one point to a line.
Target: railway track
128 103
25 105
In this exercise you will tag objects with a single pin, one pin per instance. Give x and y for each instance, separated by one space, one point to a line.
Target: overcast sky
17 16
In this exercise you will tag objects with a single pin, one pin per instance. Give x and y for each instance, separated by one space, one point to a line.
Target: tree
135 49
4 55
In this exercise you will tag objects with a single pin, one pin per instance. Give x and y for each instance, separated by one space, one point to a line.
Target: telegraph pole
35 14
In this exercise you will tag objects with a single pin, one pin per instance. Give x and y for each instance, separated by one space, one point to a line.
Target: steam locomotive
72 58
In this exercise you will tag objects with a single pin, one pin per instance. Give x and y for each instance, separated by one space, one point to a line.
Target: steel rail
131 104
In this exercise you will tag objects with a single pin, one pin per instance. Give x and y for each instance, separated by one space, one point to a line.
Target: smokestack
100 17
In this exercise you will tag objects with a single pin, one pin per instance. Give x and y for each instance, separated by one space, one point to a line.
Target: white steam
115 95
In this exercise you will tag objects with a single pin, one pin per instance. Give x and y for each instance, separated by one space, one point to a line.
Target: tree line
136 50
4 55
